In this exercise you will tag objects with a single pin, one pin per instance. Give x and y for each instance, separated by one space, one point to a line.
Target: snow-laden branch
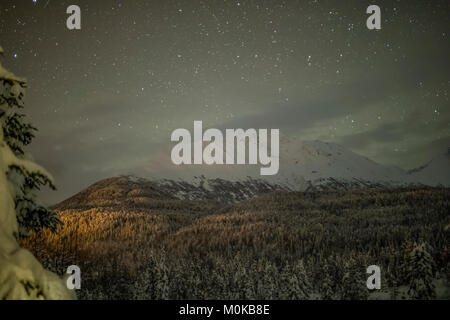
9 76
21 274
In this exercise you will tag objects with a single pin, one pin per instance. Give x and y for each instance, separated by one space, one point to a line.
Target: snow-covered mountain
319 163
131 191
436 172
304 166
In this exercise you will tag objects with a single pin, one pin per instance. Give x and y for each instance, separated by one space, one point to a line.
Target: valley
279 245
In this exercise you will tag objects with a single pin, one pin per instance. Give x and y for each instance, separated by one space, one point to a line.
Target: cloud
385 133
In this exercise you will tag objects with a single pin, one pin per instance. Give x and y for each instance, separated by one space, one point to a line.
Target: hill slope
436 172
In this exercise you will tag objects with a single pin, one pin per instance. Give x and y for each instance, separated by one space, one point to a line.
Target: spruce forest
292 245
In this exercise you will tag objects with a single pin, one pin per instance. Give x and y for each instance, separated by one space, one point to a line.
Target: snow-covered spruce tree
249 286
421 267
21 275
294 282
269 284
303 279
326 287
144 285
17 133
393 287
161 274
353 281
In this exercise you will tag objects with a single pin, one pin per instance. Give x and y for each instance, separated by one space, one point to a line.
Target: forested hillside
286 245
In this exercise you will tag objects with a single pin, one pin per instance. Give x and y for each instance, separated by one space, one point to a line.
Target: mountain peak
304 165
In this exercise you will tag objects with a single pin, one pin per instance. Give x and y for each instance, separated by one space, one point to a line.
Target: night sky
107 97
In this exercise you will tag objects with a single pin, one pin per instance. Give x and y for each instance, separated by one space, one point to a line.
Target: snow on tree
326 287
162 288
303 280
421 267
269 285
21 275
294 282
143 286
17 134
353 281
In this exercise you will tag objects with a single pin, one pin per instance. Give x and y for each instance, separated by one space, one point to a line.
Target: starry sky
107 97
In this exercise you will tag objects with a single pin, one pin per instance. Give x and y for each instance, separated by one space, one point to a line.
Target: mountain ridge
307 166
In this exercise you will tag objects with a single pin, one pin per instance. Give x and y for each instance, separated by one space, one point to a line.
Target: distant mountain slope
133 191
115 191
304 166
319 162
436 172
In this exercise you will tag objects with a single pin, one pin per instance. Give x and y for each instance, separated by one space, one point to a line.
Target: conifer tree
17 134
327 283
353 282
144 286
249 289
303 280
268 282
421 272
162 280
294 282
21 275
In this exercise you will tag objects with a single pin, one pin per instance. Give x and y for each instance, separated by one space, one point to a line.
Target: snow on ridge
306 163
304 166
